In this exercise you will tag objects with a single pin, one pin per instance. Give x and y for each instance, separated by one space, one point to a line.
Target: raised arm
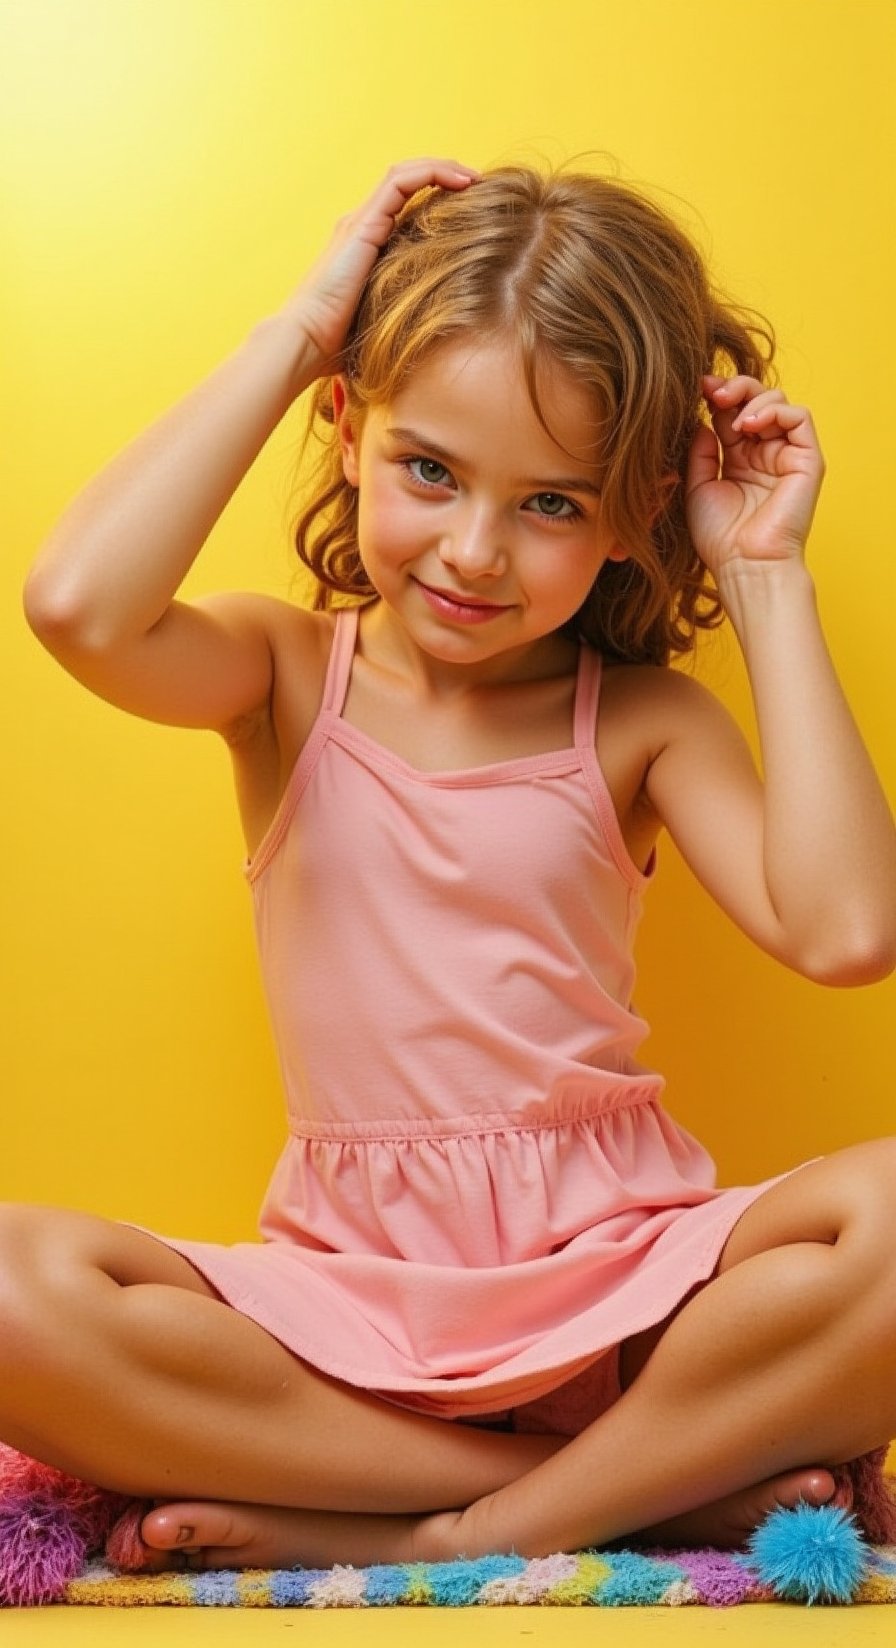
805 858
101 593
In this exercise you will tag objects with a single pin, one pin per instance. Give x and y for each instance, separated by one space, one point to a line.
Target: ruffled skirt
466 1270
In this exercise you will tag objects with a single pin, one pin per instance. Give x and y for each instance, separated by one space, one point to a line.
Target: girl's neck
386 644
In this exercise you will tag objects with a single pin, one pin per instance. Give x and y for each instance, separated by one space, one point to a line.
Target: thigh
849 1192
37 1240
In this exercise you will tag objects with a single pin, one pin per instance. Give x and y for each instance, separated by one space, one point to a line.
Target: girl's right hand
325 302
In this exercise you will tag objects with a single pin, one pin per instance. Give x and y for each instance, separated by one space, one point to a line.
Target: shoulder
266 740
656 705
660 706
698 765
280 623
659 727
281 620
299 643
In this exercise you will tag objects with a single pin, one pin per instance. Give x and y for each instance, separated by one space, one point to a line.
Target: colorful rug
600 1579
64 1540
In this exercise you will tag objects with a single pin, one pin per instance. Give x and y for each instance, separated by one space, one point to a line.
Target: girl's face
479 532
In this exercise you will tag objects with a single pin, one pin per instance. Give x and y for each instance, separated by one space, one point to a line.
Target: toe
814 1487
189 1526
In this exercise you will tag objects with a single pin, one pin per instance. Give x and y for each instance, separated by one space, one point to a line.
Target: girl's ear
345 429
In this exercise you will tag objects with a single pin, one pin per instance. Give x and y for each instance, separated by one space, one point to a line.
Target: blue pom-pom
813 1553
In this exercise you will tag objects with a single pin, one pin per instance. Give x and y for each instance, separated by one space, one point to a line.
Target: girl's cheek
387 515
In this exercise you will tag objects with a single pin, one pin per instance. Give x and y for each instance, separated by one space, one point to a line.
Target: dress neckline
561 759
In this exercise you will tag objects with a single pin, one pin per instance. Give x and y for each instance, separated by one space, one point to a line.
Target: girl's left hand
758 505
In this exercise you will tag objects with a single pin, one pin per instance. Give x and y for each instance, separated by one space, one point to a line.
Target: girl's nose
474 546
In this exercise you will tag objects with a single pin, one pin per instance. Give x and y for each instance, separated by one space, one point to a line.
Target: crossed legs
121 1365
784 1361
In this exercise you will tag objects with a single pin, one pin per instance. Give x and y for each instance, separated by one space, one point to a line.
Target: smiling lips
463 608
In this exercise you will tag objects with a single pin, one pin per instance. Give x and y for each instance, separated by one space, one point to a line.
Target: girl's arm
805 861
100 594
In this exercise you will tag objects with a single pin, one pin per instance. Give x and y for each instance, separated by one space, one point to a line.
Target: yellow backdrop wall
169 169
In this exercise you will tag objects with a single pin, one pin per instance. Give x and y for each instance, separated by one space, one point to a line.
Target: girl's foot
203 1534
728 1522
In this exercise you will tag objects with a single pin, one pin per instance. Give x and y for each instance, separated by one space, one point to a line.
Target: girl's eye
429 463
434 480
559 498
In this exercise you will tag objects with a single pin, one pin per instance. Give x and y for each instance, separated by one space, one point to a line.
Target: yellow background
169 169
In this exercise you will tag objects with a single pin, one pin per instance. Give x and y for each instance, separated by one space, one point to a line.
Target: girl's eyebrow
558 483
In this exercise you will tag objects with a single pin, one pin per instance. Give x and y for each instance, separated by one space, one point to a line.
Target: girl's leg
785 1360
119 1364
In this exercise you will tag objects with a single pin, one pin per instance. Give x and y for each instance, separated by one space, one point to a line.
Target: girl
500 1303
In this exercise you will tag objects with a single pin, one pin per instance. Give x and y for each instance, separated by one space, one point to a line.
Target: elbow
851 966
44 610
53 615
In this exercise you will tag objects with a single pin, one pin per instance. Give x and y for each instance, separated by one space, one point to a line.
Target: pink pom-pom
49 1523
874 1495
124 1545
94 1509
41 1548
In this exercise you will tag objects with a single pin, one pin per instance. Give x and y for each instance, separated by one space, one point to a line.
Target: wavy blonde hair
588 271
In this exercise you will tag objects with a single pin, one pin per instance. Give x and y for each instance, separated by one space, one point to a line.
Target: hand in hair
753 501
325 301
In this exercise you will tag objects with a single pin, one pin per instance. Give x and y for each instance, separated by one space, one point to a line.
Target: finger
751 409
733 391
771 422
728 421
433 160
375 217
758 404
405 179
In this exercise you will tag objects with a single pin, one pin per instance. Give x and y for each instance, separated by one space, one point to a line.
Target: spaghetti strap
587 696
339 665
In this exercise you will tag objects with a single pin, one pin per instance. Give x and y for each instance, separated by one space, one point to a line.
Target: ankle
439 1538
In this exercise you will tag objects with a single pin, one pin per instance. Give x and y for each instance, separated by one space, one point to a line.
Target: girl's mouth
462 610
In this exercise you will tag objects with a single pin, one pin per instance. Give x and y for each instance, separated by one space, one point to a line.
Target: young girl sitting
500 1303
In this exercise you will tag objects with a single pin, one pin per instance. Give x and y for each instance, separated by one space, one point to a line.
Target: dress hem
488 1391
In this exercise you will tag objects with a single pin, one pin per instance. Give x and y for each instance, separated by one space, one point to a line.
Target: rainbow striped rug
611 1579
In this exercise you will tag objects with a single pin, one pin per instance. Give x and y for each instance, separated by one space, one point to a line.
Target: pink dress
481 1194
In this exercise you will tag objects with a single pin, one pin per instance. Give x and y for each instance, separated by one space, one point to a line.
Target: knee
866 1244
21 1303
867 1180
37 1279
20 1240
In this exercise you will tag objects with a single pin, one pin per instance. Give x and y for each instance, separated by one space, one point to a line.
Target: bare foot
728 1522
203 1534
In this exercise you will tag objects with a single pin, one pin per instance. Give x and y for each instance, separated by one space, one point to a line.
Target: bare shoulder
265 743
652 706
301 644
646 710
298 642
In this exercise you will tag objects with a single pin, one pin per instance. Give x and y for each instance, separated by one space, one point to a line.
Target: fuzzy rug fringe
602 1579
